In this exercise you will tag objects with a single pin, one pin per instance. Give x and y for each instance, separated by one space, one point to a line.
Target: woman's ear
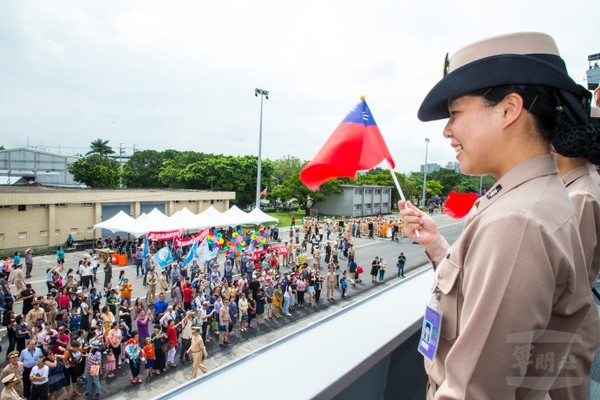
511 108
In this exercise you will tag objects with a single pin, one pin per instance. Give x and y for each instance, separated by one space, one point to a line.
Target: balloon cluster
239 240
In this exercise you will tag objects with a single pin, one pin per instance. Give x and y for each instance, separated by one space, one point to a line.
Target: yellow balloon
221 241
243 243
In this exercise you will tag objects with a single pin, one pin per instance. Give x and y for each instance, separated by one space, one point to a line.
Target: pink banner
198 237
278 249
166 235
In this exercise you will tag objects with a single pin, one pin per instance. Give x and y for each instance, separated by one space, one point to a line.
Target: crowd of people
88 326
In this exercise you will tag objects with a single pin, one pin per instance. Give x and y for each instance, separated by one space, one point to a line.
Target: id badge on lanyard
431 328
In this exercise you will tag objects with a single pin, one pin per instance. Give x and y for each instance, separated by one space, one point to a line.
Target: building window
74 231
21 207
384 204
57 232
43 233
39 206
358 191
358 206
368 191
22 235
1 236
191 201
377 191
5 207
212 202
87 204
60 205
90 229
368 206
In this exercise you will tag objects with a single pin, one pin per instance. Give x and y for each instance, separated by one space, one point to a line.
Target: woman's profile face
474 131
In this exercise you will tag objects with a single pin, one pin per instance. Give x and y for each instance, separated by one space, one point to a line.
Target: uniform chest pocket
448 282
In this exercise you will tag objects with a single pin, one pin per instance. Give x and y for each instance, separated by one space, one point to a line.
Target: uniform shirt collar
575 174
527 170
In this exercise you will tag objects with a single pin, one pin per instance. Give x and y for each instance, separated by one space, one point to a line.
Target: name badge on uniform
430 331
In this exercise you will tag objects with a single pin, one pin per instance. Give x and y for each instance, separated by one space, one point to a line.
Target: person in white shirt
39 380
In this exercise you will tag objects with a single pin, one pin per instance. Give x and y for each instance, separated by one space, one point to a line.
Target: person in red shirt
188 293
172 338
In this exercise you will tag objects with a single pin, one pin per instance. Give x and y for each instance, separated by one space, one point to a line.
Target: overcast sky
182 74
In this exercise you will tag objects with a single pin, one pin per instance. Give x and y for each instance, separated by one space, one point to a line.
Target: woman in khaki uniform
198 352
509 289
576 152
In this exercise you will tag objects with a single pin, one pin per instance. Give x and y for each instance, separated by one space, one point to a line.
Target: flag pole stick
395 178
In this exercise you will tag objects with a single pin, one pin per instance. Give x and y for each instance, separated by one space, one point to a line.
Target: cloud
182 74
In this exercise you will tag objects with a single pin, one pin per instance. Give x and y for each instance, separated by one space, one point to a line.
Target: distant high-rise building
430 167
453 165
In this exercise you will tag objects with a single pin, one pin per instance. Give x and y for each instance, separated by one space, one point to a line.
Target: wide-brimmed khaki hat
527 58
10 378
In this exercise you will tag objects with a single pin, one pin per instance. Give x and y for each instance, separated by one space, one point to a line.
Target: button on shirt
29 358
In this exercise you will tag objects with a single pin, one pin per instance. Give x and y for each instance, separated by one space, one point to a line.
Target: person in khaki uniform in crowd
16 367
582 150
198 352
9 392
510 289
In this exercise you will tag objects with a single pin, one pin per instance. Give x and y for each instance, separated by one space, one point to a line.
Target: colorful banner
197 238
278 249
166 235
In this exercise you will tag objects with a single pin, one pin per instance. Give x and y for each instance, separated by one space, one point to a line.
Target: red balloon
458 205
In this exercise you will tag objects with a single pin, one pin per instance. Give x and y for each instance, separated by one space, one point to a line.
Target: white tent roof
210 217
258 217
183 219
121 222
234 216
186 219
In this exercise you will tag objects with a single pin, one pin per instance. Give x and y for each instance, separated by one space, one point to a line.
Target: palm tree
100 147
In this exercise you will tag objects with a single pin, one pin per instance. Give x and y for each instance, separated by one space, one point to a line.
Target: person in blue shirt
17 259
29 358
160 306
60 258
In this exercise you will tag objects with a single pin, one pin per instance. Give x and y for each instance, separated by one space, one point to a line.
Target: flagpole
395 179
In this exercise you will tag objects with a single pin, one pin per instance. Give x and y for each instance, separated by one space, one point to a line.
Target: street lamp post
425 173
263 94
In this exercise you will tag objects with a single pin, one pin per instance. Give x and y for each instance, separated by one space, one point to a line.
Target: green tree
227 173
293 189
174 162
2 147
285 167
142 170
96 171
100 147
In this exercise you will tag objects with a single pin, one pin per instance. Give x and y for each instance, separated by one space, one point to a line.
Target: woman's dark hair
554 121
540 101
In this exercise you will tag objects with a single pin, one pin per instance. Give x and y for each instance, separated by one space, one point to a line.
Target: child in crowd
111 364
149 354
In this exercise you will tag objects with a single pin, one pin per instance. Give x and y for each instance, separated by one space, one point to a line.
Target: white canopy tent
121 222
156 221
234 217
257 216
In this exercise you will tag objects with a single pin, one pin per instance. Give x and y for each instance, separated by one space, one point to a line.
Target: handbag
94 370
167 347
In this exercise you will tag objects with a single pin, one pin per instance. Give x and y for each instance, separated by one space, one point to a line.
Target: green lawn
285 217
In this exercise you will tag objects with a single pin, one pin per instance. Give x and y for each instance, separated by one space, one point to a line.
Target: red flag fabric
458 205
355 145
264 192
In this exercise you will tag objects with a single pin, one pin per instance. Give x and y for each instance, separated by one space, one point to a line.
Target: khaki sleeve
437 250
